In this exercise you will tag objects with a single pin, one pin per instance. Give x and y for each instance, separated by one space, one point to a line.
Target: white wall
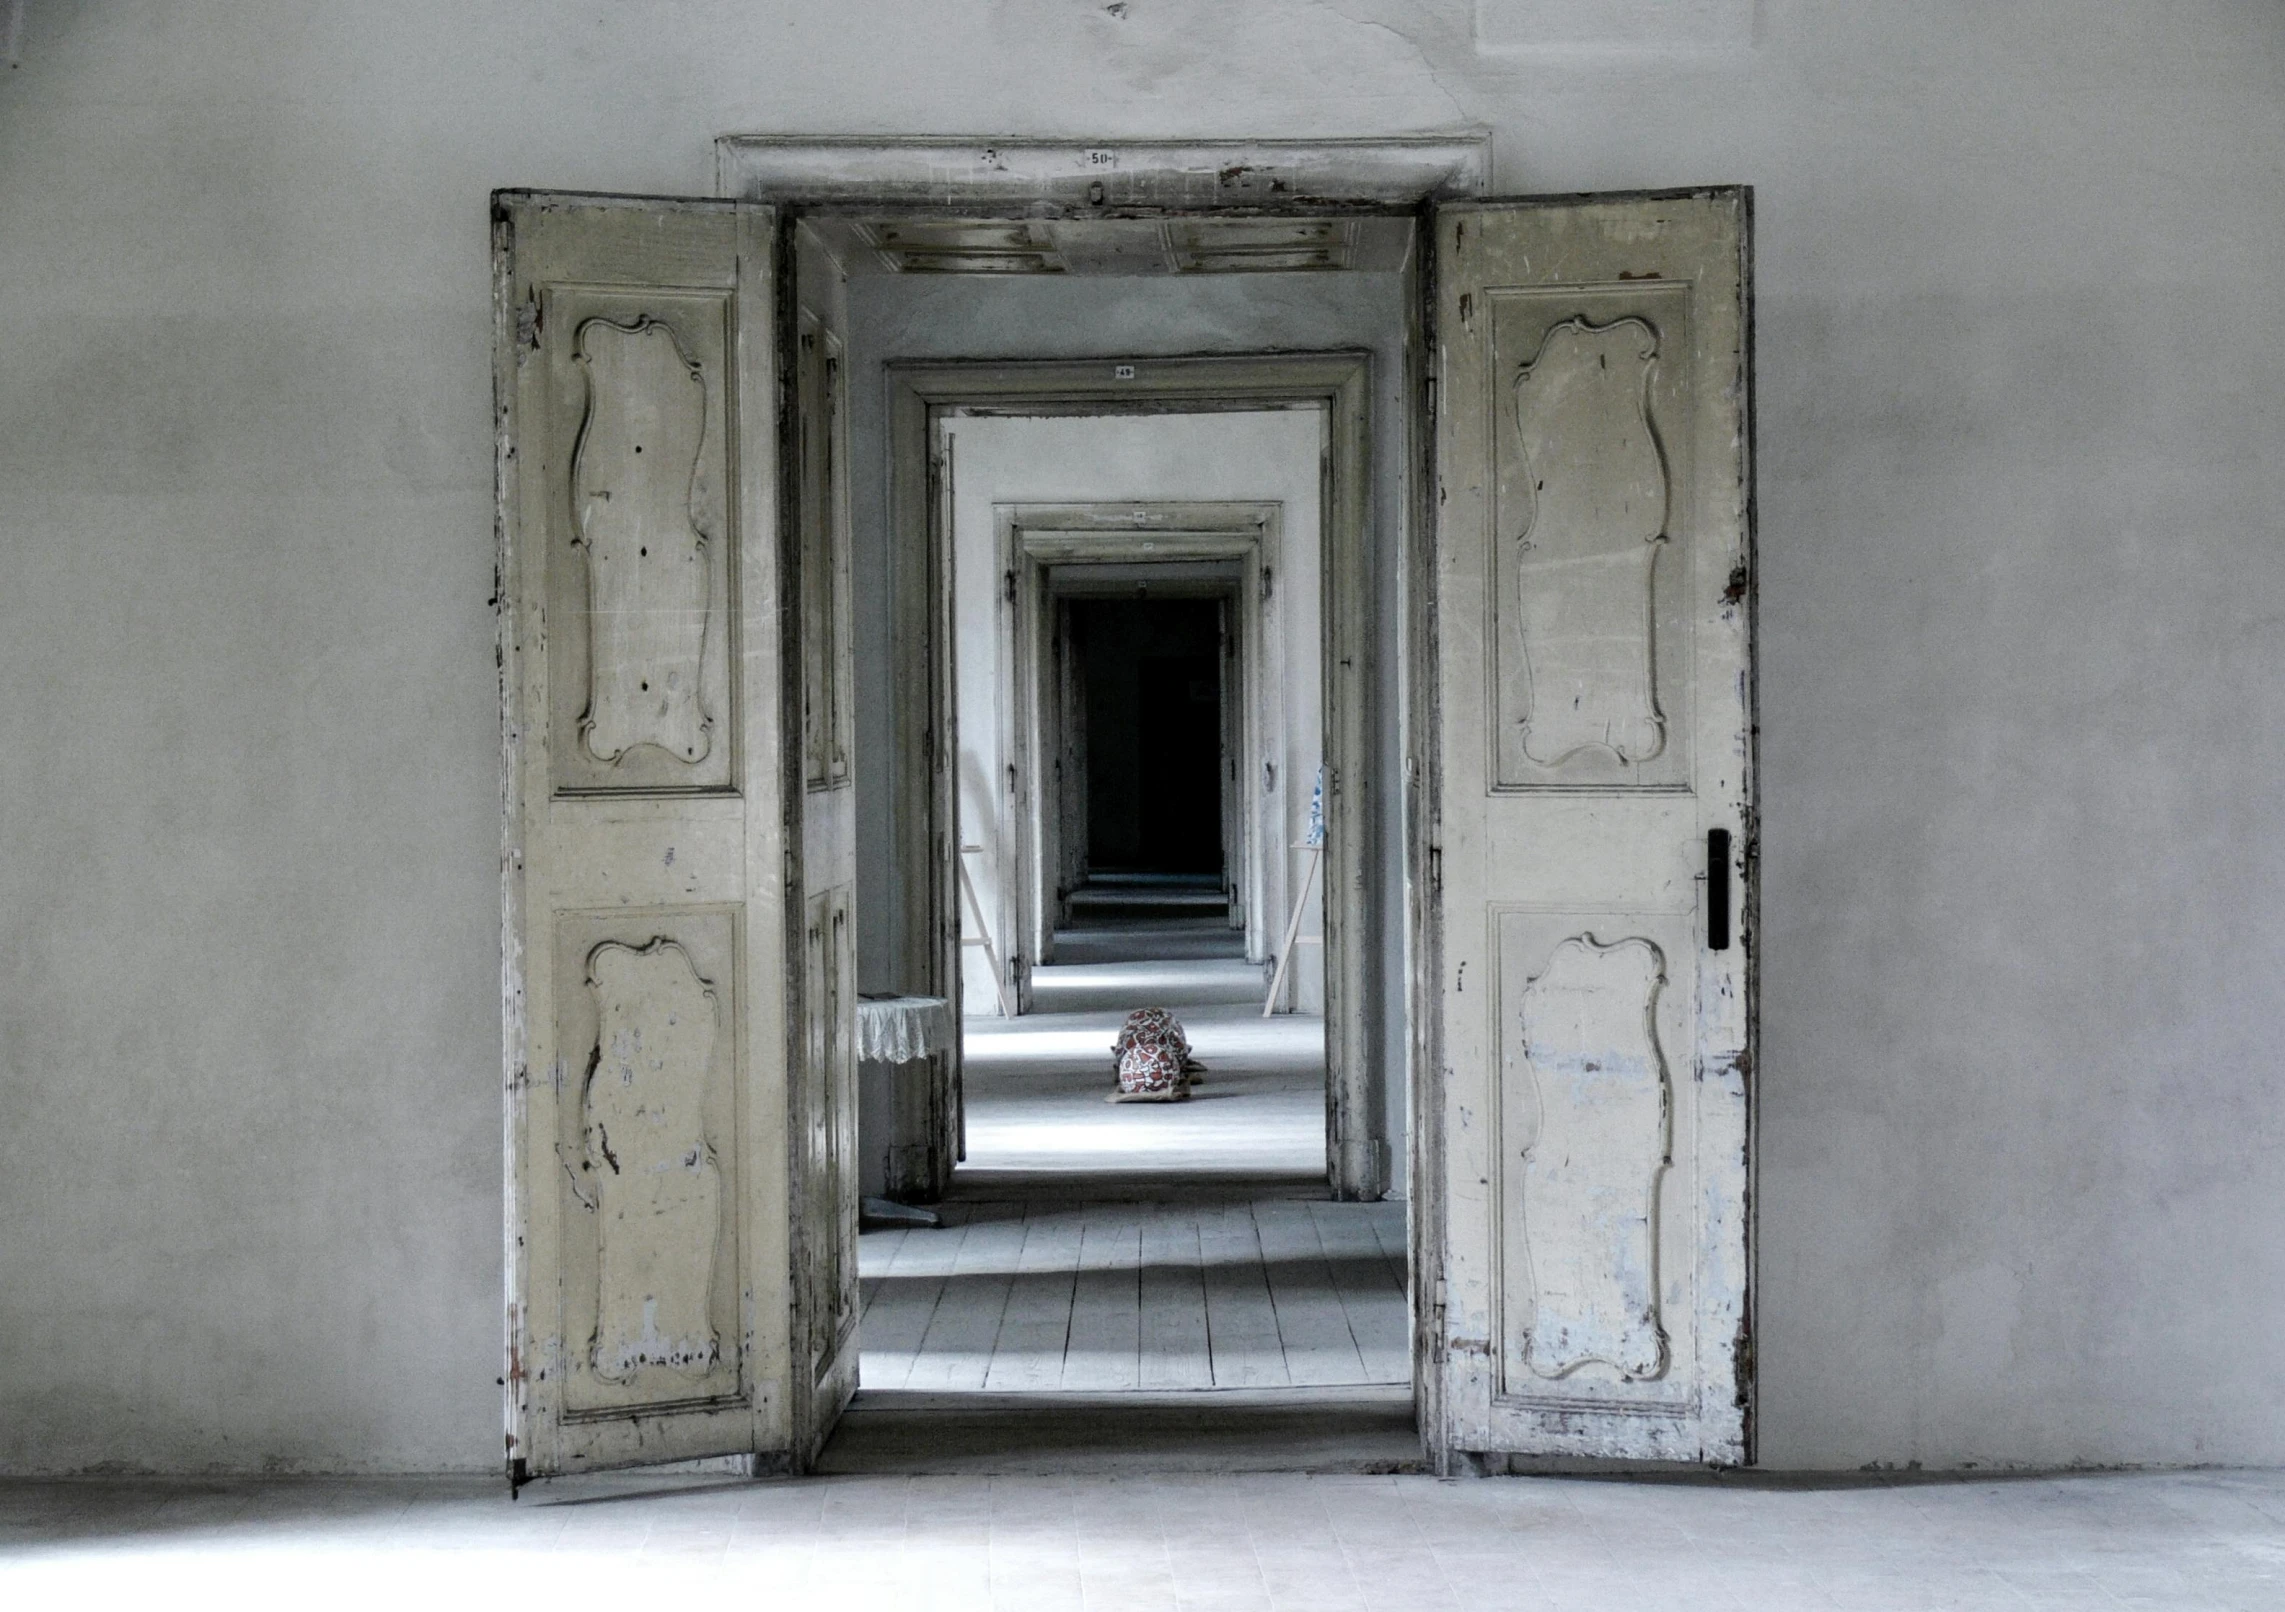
2021 345
1265 457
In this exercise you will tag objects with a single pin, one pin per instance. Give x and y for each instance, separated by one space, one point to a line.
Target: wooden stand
1293 935
983 936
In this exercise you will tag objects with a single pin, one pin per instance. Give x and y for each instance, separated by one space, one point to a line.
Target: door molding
924 393
1035 539
1079 179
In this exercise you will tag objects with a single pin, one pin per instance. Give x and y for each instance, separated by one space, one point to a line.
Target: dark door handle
1718 889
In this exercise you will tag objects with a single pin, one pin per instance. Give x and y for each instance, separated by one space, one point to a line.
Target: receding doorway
1140 707
1139 780
1143 760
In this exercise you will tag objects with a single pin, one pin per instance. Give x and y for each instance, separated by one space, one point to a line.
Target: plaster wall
2021 345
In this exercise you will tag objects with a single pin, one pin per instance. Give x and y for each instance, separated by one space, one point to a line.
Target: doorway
1537 739
1157 759
1154 692
1139 707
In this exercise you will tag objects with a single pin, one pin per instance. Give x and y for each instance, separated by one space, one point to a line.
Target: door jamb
1034 537
921 394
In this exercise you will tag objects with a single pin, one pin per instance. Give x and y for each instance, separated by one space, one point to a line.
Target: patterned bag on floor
1151 1059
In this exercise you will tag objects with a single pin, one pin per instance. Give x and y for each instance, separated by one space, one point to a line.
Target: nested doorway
1095 1247
1564 746
1144 672
988 800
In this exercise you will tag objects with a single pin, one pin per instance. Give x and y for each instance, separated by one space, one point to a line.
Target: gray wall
2022 343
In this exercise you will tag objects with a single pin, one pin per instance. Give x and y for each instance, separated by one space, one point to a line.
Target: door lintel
1099 179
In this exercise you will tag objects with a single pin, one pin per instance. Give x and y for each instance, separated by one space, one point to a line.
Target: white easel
983 935
1293 937
1315 846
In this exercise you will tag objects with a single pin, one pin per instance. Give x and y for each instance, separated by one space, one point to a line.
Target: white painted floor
1038 1090
1098 1297
1094 1247
2180 1542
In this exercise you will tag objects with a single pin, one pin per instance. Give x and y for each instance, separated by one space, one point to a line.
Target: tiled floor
2173 1541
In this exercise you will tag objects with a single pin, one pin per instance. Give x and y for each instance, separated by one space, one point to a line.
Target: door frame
1403 176
1399 176
1045 546
924 394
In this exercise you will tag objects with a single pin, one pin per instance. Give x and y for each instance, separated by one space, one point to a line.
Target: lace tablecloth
903 1029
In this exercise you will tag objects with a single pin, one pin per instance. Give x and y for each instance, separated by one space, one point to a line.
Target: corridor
1161 1286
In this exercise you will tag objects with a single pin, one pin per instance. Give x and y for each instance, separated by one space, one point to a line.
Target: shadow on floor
1295 1430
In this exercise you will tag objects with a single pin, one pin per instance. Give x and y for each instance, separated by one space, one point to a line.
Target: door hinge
1008 580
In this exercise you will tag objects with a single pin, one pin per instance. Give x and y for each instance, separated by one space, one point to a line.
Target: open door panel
824 1106
646 867
1584 835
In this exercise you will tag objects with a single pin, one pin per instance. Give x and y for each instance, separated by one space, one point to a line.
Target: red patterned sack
1151 1059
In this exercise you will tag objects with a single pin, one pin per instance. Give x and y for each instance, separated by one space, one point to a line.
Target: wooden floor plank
1036 1325
1134 1252
1387 1220
890 1333
1241 1323
876 1257
1104 1351
1173 1296
956 1351
1312 1326
1373 1303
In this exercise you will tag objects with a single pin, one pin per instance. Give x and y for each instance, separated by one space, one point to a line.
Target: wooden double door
679 847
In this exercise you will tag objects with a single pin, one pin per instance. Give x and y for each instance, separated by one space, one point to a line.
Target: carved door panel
825 1079
1585 834
645 859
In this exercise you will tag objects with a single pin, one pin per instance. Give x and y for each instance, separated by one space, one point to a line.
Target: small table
909 1131
903 1029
